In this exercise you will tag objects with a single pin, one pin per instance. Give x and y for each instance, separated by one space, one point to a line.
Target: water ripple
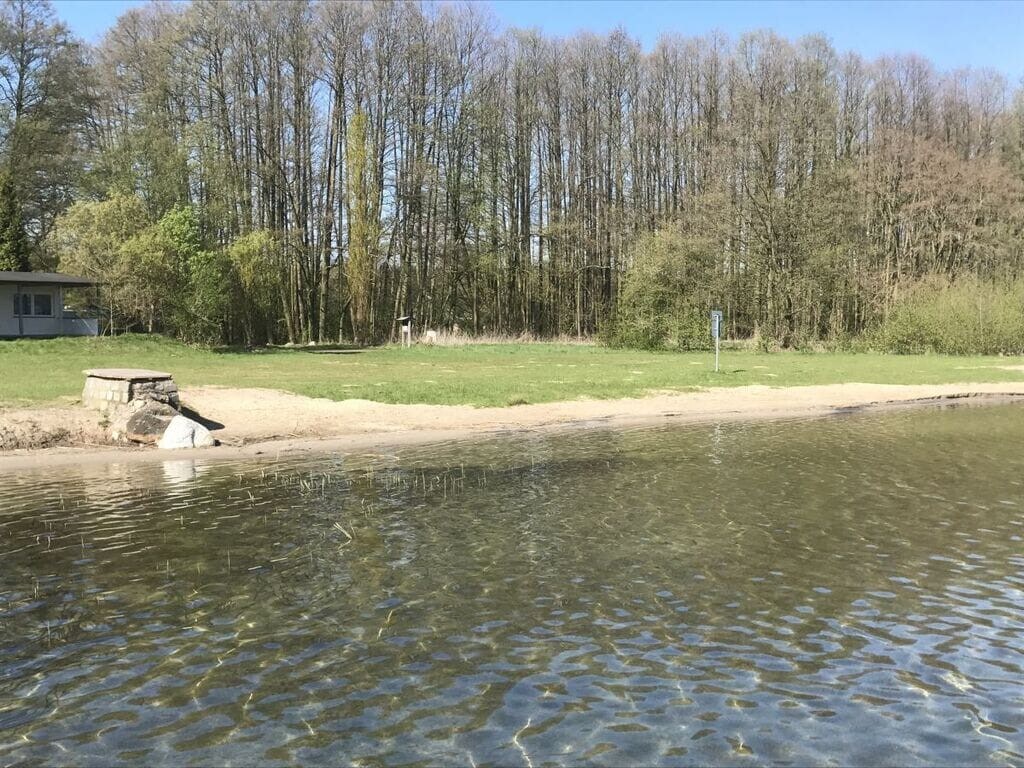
845 591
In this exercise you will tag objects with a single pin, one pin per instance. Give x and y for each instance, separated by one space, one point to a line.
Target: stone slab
127 374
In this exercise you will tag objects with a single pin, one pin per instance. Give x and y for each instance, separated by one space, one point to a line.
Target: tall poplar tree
14 246
362 229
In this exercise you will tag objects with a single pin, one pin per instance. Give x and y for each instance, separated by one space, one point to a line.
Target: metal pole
716 332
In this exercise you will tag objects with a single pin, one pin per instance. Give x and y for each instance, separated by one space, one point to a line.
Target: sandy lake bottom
846 589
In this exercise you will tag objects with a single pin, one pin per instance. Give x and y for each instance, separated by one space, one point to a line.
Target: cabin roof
44 278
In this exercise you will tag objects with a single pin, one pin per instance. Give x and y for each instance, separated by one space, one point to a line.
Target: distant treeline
261 171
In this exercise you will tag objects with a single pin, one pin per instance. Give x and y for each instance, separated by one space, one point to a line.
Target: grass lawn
42 371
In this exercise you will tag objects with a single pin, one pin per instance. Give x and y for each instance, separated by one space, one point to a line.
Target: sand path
251 415
257 422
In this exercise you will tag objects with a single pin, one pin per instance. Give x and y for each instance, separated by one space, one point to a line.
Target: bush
968 316
210 289
664 298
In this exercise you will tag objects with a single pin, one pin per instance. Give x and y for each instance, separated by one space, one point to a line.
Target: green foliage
84 239
179 230
43 109
92 239
666 294
14 246
363 226
210 292
255 261
968 316
784 191
149 276
159 276
184 272
145 267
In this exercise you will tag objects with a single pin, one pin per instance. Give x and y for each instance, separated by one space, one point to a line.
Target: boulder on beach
182 432
147 421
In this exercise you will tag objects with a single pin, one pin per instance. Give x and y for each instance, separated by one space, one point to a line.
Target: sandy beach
260 422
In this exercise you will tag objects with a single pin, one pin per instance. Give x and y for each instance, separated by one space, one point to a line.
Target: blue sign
716 323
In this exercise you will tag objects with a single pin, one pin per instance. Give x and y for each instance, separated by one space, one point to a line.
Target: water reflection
841 591
182 471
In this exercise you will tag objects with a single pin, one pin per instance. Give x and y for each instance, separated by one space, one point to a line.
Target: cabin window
33 305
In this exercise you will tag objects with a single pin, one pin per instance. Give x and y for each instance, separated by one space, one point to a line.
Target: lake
841 590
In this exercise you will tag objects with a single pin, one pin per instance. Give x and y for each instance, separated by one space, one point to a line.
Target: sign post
406 321
716 332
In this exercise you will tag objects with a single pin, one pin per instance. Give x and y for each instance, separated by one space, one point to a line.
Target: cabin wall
8 322
52 326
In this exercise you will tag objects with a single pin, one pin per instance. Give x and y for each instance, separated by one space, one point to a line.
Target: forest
270 172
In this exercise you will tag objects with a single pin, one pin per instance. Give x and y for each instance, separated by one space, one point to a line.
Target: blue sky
952 34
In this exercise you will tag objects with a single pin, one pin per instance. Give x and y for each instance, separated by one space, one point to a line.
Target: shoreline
322 426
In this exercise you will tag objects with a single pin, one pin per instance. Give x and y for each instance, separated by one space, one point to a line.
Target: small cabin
32 305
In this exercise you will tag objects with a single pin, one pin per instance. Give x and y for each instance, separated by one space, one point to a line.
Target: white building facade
32 305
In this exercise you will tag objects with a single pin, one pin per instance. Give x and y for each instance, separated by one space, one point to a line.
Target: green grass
42 371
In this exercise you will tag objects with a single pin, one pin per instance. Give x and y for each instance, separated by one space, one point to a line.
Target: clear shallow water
840 591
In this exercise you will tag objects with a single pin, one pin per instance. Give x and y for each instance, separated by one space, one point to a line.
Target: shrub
665 295
210 287
966 316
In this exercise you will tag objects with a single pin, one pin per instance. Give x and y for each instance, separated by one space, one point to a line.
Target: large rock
182 432
147 422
